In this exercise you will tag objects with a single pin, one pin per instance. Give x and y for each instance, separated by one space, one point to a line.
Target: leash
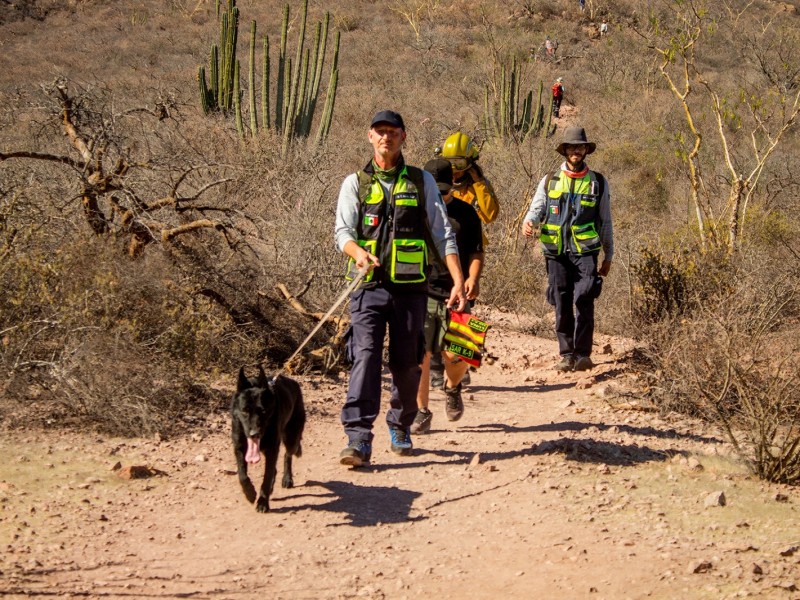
348 290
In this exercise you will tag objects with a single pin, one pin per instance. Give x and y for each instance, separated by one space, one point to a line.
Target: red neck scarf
577 174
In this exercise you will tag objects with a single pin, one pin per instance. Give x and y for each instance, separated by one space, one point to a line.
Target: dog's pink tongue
253 455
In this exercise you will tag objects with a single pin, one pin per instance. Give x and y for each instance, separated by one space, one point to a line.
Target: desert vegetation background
144 245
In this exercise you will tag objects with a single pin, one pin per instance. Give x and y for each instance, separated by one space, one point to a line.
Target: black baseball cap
442 172
389 117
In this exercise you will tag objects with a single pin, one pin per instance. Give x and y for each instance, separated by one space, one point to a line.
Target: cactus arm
237 101
279 94
265 87
252 81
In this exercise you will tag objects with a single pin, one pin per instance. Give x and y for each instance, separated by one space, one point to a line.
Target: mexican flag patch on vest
466 337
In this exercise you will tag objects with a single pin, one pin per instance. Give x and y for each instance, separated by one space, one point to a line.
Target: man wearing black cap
573 208
389 220
467 225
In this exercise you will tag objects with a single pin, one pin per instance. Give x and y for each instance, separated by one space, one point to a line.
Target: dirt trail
551 486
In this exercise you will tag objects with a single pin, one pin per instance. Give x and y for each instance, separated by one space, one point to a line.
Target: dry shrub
127 345
723 336
106 381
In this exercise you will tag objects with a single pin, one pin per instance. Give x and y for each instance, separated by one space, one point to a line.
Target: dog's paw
249 491
262 505
287 481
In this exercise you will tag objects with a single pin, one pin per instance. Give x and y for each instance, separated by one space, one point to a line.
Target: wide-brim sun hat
574 136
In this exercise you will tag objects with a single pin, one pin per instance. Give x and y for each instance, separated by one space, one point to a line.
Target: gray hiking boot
356 454
454 405
584 363
567 363
422 422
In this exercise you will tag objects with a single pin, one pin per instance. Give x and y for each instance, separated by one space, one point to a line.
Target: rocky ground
551 486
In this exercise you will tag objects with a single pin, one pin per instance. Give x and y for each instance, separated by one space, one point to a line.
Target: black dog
265 413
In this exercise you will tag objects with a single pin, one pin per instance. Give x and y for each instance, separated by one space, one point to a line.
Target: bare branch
168 234
43 156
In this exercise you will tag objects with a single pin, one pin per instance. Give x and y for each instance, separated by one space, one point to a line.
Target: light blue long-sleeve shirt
536 213
347 214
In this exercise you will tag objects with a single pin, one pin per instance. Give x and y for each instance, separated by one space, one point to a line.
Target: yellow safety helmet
460 150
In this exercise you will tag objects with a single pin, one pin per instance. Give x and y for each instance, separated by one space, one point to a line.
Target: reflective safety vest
394 229
570 220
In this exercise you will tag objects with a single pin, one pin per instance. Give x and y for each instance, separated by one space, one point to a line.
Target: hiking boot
584 363
454 405
401 441
356 454
422 422
567 363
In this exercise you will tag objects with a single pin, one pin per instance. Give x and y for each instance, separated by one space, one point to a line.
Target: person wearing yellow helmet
469 183
472 187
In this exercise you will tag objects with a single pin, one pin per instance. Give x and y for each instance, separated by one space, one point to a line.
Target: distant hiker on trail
604 27
386 216
558 95
548 46
470 186
573 207
467 226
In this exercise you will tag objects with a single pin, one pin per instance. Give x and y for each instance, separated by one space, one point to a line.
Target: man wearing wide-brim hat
573 209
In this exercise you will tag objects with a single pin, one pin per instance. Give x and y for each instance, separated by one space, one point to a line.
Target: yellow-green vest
394 229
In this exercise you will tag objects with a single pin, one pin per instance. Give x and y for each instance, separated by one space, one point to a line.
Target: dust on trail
543 489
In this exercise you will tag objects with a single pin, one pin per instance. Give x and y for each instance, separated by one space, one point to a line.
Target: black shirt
469 238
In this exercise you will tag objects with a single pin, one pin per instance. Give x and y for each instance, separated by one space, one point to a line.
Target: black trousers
572 281
371 312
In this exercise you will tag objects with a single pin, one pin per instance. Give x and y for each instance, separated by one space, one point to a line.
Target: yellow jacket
481 196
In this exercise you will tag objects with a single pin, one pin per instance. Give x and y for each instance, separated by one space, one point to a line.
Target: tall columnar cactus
504 116
297 82
217 96
327 114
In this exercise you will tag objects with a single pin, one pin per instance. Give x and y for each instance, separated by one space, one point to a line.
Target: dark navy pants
556 105
371 311
572 281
